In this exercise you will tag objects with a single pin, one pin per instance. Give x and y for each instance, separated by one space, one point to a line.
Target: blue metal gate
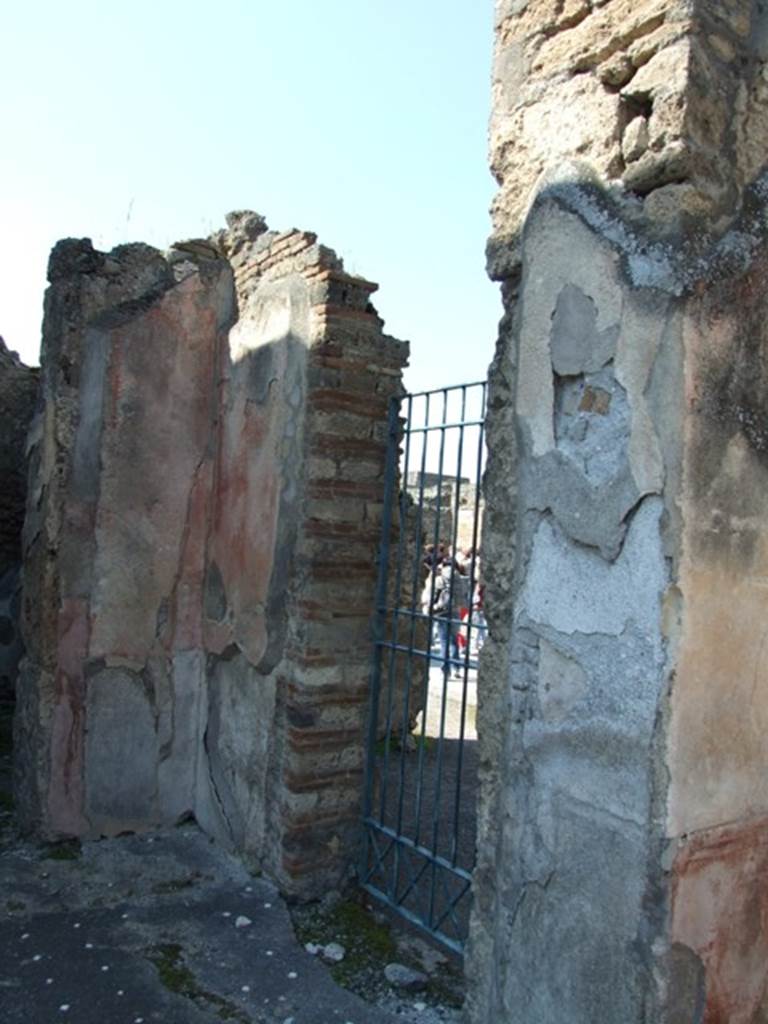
421 768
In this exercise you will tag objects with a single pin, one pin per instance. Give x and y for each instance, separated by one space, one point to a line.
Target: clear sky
362 120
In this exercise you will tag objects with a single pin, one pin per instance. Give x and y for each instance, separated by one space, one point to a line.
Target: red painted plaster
65 794
720 911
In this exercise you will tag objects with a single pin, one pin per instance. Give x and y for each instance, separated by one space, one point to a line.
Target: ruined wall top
259 256
664 101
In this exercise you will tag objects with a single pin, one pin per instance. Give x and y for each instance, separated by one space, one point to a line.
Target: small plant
369 945
174 974
172 970
413 743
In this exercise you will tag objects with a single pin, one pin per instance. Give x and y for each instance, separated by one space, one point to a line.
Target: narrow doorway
421 768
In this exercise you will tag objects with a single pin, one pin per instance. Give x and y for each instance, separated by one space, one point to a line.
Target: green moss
6 801
395 744
361 927
67 849
15 906
174 974
369 946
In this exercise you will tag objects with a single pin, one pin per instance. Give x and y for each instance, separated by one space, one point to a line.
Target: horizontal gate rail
419 800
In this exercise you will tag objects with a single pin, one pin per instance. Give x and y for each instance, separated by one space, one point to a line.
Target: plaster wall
123 448
185 657
622 842
717 750
569 832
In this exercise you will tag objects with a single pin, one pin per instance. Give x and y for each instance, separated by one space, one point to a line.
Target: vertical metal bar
394 655
390 474
417 597
455 622
475 530
415 618
392 642
451 633
421 742
459 459
430 620
476 511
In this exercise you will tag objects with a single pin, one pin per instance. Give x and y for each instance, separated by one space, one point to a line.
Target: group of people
453 598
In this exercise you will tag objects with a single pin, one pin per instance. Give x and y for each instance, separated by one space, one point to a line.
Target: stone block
120 753
634 141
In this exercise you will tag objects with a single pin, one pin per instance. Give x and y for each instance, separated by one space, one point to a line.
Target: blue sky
363 121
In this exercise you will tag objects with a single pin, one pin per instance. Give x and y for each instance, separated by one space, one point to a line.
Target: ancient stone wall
666 101
18 394
200 549
622 822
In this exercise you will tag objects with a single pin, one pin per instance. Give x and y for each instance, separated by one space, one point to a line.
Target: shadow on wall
207 483
18 395
171 560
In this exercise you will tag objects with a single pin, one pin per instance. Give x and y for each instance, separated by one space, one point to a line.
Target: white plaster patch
275 312
638 344
573 590
269 321
564 252
562 682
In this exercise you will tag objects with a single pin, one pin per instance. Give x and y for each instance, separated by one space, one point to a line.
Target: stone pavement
164 927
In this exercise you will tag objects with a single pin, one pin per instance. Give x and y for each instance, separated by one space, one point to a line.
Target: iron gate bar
472 583
449 426
393 661
412 637
430 623
425 851
402 533
398 660
446 665
451 387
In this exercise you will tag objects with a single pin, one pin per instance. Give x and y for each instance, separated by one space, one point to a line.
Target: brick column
353 371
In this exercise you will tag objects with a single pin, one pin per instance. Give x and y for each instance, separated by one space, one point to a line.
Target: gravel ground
168 928
372 940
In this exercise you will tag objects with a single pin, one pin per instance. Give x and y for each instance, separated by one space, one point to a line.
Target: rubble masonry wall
622 822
